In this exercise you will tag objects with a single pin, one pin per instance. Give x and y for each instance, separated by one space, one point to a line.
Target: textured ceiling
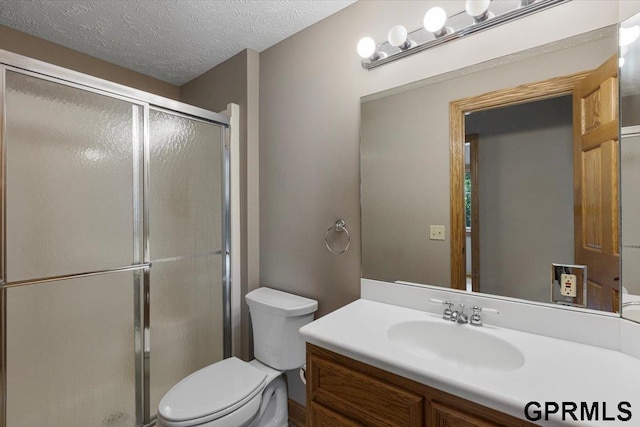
174 41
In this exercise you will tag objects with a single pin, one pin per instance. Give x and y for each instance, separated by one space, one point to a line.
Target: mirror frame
529 92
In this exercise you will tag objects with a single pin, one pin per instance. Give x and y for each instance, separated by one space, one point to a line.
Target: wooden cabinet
344 392
446 416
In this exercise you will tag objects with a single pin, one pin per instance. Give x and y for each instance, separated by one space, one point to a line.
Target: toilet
234 393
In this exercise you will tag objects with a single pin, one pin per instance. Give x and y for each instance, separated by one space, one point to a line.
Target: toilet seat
211 393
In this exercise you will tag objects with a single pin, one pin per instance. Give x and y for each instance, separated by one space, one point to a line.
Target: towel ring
340 226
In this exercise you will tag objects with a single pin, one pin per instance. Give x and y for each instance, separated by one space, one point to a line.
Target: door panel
596 193
71 157
70 352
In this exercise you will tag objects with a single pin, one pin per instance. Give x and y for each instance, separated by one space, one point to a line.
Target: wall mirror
630 167
513 118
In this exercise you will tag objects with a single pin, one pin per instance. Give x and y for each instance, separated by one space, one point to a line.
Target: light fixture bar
502 11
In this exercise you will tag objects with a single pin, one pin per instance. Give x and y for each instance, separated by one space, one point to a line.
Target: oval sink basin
465 346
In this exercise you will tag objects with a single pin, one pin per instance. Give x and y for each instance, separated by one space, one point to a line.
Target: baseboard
297 414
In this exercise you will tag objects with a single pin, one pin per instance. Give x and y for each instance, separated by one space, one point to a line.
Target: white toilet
234 393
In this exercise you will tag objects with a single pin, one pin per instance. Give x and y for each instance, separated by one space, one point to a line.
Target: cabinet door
324 417
446 416
362 397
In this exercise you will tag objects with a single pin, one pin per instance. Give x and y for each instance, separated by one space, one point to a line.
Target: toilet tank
276 317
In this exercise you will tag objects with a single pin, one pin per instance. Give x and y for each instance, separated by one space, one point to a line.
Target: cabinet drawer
446 416
325 417
362 397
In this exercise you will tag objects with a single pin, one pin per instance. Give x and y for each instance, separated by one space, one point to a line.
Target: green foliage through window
467 198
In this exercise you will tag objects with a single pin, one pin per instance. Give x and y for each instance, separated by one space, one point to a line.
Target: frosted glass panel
185 186
70 353
70 179
186 320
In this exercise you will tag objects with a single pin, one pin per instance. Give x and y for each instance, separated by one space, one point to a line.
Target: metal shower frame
141 267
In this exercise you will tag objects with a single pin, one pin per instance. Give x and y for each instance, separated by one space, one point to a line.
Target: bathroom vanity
342 391
391 360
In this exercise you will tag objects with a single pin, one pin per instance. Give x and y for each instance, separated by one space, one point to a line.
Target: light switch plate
436 232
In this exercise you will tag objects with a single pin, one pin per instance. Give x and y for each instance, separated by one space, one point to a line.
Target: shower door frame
10 61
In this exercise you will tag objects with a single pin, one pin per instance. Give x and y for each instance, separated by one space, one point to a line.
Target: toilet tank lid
280 303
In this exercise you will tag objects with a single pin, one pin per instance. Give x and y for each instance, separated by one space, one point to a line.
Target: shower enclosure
115 248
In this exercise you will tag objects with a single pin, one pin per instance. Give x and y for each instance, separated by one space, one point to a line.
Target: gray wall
309 177
525 167
405 163
236 81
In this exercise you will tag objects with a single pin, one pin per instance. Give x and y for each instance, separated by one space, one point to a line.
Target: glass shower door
114 252
186 222
73 170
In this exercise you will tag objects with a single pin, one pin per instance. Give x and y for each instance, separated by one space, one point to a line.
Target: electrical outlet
568 287
436 232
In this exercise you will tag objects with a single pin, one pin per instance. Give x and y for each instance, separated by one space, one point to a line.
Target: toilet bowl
234 393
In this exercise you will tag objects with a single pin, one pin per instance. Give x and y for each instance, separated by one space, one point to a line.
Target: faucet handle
446 314
476 319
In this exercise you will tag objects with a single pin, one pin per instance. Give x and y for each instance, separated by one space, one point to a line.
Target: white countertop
554 370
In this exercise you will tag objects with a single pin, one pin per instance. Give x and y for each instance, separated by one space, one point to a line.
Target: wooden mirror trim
530 92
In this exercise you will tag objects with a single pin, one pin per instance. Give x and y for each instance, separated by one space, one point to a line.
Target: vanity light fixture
367 49
479 10
397 37
434 21
479 15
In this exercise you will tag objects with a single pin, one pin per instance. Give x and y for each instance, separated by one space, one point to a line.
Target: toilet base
274 406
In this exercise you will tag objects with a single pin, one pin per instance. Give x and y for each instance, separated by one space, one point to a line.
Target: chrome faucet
459 316
476 319
446 313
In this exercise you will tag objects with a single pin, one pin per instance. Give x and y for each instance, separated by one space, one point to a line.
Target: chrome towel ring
340 226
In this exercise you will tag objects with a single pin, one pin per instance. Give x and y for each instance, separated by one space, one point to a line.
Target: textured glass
70 353
70 183
185 186
186 320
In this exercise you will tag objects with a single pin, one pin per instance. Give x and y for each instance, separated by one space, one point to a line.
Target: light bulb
397 36
629 35
435 19
366 47
477 8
